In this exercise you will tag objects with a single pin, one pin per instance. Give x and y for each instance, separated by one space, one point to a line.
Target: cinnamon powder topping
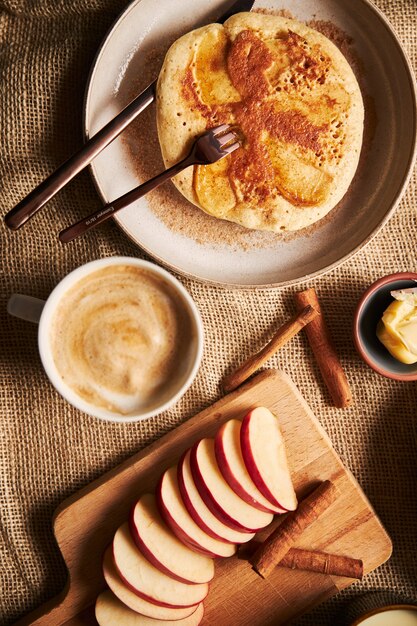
247 61
269 120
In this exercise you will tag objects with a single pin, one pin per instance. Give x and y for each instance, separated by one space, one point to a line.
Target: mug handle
25 307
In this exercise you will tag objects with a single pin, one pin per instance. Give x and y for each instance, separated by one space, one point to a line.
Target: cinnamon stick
285 536
312 561
323 562
286 332
321 343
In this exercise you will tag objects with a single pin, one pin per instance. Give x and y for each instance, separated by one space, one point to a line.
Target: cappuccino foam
120 338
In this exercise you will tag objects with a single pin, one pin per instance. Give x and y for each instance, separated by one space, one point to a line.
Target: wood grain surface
85 523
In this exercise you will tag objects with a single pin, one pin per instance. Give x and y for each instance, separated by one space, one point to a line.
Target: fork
208 148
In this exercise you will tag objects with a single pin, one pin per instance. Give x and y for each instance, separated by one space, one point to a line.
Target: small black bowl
369 311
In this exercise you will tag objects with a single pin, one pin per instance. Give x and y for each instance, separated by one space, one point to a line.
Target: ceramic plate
237 257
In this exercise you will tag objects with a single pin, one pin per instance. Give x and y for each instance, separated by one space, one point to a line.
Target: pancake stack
293 98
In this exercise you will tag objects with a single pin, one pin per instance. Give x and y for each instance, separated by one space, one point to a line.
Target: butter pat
397 329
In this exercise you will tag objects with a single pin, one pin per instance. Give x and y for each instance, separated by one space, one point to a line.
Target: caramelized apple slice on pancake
297 103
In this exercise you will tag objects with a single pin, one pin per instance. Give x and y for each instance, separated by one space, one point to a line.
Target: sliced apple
263 450
111 612
162 548
213 189
222 501
133 601
210 69
176 516
198 510
146 580
300 180
232 466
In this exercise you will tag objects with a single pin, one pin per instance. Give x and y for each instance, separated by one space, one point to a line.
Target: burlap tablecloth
48 449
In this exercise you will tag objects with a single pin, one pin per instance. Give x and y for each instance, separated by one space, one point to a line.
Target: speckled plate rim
322 271
359 345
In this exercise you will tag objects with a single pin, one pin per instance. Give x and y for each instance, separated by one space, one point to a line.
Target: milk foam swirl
119 336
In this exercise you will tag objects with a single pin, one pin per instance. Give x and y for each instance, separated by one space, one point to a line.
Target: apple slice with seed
176 516
222 501
232 466
199 511
132 600
148 582
265 457
162 548
111 612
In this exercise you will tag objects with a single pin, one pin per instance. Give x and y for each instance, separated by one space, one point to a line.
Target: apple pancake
297 105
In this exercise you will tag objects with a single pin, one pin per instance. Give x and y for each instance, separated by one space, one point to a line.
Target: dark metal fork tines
213 145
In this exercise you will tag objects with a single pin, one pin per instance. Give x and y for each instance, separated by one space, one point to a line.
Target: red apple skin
190 507
109 552
210 502
230 478
142 547
106 614
251 464
148 598
176 529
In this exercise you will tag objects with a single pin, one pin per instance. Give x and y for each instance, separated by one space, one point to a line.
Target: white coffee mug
35 310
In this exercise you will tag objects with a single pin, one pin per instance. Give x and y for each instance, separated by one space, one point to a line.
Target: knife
36 199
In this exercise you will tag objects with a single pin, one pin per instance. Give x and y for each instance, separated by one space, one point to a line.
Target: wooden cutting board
85 523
